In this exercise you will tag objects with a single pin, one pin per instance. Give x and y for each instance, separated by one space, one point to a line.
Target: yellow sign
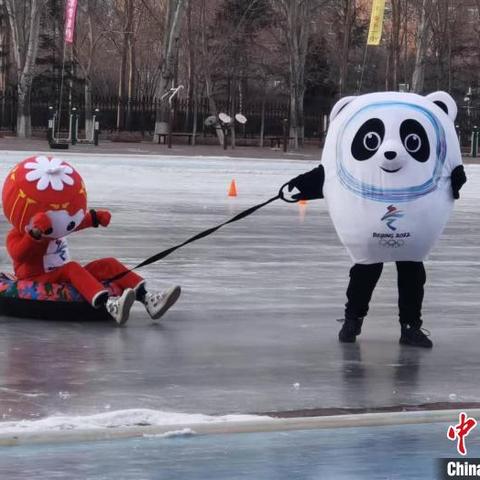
376 22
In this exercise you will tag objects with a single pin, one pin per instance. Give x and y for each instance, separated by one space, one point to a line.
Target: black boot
415 337
350 329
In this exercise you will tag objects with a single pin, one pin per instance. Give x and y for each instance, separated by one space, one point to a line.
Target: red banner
70 14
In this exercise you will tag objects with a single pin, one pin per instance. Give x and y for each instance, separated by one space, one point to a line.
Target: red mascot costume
45 200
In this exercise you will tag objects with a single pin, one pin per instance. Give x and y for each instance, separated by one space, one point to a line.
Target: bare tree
347 17
295 18
125 83
3 47
423 34
89 39
446 18
143 47
25 28
175 11
391 78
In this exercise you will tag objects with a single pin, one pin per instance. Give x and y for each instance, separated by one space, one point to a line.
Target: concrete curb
216 428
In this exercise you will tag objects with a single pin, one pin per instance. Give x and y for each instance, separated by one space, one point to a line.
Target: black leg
363 279
411 281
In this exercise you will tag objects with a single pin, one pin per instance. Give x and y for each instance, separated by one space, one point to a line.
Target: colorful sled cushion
31 290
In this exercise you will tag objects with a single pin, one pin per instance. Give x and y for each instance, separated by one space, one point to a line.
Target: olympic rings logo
391 243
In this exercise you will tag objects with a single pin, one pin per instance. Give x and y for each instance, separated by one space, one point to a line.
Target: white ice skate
157 304
119 307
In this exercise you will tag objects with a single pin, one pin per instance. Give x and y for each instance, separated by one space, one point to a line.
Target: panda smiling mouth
391 171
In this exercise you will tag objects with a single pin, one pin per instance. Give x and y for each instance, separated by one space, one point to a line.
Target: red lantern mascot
45 200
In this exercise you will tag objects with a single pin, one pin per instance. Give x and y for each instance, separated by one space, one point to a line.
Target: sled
47 301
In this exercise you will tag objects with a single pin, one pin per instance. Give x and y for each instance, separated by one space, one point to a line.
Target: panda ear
445 102
339 106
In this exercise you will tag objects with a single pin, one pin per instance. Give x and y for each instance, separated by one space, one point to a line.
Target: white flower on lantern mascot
49 171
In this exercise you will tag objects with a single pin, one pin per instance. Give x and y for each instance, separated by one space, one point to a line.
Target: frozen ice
258 310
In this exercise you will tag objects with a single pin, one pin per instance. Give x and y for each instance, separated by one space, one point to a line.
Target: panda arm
23 248
309 184
458 179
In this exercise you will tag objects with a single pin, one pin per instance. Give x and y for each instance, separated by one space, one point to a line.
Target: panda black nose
390 155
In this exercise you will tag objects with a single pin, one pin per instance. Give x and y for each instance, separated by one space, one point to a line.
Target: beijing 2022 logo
392 215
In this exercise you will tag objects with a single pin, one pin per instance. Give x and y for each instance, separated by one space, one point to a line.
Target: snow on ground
119 419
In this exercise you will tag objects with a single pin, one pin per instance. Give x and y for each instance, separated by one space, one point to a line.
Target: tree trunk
122 80
88 110
130 63
395 42
232 111
262 116
24 126
347 30
25 30
449 59
297 17
418 76
131 82
191 69
212 106
3 48
195 113
174 16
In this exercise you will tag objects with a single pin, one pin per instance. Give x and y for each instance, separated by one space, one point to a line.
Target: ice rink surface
255 329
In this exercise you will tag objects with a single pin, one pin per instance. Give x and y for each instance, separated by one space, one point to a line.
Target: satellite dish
241 118
224 118
210 121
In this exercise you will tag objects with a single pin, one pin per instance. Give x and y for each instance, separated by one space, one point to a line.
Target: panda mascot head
388 157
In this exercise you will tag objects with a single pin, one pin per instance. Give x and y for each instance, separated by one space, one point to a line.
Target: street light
468 102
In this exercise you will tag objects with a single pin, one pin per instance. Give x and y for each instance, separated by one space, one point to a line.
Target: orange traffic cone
232 191
302 210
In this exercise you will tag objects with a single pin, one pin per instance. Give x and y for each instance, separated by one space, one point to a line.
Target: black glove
458 178
310 184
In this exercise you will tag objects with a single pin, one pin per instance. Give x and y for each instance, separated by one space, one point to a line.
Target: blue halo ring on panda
394 195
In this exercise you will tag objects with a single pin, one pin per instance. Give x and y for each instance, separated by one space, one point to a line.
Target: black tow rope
205 233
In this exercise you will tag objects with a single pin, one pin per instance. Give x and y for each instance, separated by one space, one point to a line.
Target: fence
138 115
468 118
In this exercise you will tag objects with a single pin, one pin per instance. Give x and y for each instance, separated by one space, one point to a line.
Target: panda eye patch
368 139
415 140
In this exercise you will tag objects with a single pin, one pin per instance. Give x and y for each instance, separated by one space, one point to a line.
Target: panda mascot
390 171
45 200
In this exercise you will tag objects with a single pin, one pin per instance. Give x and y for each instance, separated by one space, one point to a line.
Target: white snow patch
118 419
185 432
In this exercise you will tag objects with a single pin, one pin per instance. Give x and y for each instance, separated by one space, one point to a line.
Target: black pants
411 279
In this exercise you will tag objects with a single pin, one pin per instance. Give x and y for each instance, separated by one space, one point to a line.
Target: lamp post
468 104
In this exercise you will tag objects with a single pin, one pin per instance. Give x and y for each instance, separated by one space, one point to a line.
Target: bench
278 141
164 136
